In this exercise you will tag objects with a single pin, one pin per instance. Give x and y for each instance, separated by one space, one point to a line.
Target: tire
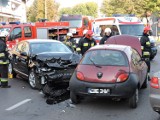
10 70
145 84
74 98
133 101
33 80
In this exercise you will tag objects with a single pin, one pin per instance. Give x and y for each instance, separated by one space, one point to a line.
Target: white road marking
18 104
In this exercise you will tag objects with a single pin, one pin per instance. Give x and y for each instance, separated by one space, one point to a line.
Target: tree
89 8
138 7
43 9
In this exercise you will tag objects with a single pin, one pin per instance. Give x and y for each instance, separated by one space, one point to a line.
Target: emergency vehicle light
3 23
17 23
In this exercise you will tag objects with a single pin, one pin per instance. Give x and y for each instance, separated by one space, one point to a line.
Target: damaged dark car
45 63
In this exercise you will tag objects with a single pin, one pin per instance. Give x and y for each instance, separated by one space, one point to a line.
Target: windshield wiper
94 63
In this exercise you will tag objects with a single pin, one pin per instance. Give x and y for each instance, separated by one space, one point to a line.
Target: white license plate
103 91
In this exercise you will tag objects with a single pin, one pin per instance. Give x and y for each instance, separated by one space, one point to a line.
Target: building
12 10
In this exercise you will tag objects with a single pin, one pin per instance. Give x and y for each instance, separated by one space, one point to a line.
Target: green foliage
42 9
89 8
138 7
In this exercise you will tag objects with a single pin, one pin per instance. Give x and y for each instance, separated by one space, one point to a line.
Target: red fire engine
42 30
78 24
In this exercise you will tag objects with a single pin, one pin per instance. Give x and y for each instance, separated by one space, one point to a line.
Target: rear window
105 58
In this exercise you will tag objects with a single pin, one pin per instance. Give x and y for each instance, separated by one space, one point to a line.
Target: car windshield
132 29
4 29
49 47
105 58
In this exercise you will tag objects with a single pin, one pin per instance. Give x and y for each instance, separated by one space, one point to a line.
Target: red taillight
154 82
122 77
80 76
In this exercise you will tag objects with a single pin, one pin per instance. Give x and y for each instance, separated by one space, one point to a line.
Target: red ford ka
113 71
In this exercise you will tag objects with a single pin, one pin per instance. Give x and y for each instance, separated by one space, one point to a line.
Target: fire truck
78 23
119 25
42 30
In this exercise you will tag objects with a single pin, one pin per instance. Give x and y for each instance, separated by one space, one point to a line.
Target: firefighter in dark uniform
4 61
107 35
86 43
146 46
69 41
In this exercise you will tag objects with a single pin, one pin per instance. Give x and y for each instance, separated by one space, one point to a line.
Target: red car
113 71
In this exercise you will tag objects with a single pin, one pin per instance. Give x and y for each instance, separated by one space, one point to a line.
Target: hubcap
32 79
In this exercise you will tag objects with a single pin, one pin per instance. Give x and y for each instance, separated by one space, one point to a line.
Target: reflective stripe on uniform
142 47
4 80
4 62
85 44
148 43
92 44
74 46
146 53
2 54
78 49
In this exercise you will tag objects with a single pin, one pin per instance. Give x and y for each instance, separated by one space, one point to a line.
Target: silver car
155 92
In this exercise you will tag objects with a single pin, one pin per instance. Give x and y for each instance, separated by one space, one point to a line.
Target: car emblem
99 75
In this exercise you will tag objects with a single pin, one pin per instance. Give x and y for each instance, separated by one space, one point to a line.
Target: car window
49 47
105 57
17 33
27 31
22 47
135 57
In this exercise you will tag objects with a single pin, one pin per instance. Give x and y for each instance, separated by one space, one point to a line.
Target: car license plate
103 91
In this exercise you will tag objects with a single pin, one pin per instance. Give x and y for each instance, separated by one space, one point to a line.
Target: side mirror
23 54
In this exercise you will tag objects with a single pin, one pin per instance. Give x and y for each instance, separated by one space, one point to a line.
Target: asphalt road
20 102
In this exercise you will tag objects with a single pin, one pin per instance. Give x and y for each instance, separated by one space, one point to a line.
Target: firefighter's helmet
146 29
4 34
70 34
84 32
89 34
107 30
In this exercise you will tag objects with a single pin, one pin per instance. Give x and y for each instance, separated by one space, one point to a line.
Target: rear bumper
155 100
117 90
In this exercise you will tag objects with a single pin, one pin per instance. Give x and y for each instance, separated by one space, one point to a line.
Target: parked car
113 71
155 92
43 60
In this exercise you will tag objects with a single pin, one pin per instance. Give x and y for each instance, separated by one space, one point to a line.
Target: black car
42 61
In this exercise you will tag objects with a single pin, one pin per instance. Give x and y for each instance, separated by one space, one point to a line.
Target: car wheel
74 98
33 80
145 84
133 101
11 71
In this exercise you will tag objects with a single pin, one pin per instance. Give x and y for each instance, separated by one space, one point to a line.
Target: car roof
41 40
110 47
128 40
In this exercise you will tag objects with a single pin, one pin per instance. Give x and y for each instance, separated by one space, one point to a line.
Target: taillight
80 76
154 82
122 77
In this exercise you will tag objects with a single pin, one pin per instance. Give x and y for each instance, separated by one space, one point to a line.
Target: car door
141 66
23 59
15 57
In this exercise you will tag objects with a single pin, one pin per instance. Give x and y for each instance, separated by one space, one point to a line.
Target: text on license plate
92 90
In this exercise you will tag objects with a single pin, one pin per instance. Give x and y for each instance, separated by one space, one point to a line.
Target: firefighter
107 32
70 42
86 43
146 46
4 61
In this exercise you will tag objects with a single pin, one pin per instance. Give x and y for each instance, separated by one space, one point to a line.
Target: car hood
129 40
59 60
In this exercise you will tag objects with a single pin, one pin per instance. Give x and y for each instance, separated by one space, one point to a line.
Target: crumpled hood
60 60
